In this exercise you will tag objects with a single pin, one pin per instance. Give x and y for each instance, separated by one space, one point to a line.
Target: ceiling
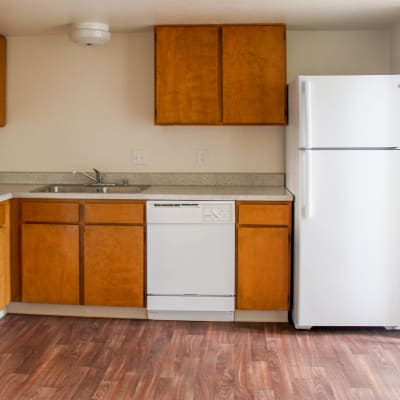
30 17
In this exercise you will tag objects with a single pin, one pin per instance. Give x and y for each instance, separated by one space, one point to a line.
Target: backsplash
193 179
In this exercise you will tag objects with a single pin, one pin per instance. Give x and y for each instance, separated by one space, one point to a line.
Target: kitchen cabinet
4 254
263 255
82 252
114 254
254 74
187 75
3 72
50 252
216 75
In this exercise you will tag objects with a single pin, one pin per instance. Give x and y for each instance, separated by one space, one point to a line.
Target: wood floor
76 358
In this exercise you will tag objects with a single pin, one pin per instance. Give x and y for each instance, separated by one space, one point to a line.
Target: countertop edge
247 193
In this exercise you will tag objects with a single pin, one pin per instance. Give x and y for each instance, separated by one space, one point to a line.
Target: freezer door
349 111
347 258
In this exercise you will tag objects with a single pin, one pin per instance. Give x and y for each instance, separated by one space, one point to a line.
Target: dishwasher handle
176 205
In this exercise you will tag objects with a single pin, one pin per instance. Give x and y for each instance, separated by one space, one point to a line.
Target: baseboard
191 315
261 316
77 311
125 312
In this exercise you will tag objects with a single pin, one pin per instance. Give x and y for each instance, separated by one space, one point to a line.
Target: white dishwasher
191 260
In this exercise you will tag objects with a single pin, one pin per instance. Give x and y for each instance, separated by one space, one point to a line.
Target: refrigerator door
349 111
347 264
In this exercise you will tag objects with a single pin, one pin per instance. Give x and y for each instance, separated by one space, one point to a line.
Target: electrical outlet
202 157
138 157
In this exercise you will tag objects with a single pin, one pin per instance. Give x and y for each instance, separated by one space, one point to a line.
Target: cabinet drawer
114 213
50 212
264 214
2 214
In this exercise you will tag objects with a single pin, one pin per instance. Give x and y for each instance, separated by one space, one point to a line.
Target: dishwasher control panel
217 213
190 212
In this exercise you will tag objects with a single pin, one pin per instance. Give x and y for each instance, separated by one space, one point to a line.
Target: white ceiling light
89 33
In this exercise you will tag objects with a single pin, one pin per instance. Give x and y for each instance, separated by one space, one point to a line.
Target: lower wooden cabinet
82 252
263 256
4 254
50 263
114 265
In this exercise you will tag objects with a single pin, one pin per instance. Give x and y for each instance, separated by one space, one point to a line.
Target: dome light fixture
89 33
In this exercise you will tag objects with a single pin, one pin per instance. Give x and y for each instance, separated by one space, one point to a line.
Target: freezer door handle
306 191
307 105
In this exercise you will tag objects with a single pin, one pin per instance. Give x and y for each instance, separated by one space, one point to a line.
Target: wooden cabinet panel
2 213
4 254
264 214
50 212
187 75
114 266
254 74
118 213
50 263
263 268
3 78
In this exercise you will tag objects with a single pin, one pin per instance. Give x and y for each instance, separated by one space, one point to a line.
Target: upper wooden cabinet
254 74
216 75
3 64
187 75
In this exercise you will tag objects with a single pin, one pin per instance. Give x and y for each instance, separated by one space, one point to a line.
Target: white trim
77 310
140 313
191 315
261 316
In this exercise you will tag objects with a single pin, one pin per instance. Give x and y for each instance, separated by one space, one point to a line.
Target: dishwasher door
190 260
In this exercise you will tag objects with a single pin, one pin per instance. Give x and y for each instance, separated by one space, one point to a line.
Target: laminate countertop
159 192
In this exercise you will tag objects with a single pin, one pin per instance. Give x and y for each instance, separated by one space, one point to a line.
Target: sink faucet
98 179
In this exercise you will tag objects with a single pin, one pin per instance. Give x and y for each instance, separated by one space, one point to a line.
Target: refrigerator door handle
307 184
307 105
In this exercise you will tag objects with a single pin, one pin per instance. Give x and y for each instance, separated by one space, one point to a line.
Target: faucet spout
95 180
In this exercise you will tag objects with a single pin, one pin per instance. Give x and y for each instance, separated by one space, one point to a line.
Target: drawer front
2 214
50 212
264 214
114 213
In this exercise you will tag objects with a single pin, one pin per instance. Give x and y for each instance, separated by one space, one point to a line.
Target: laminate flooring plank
11 384
63 358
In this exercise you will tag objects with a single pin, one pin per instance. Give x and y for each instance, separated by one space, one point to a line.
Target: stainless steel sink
69 188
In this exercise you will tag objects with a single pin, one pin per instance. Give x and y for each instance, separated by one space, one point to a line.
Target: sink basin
69 188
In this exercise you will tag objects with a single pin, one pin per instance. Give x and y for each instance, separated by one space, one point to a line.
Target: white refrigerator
343 167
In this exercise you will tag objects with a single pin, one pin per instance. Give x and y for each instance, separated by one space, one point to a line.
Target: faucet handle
99 176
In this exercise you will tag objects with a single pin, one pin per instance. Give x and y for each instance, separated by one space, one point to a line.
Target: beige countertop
159 192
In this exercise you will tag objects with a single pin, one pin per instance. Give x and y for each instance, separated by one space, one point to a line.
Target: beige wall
394 49
72 107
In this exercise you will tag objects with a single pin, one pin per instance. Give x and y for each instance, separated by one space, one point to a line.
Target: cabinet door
114 265
254 74
4 255
263 268
3 64
50 263
187 75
